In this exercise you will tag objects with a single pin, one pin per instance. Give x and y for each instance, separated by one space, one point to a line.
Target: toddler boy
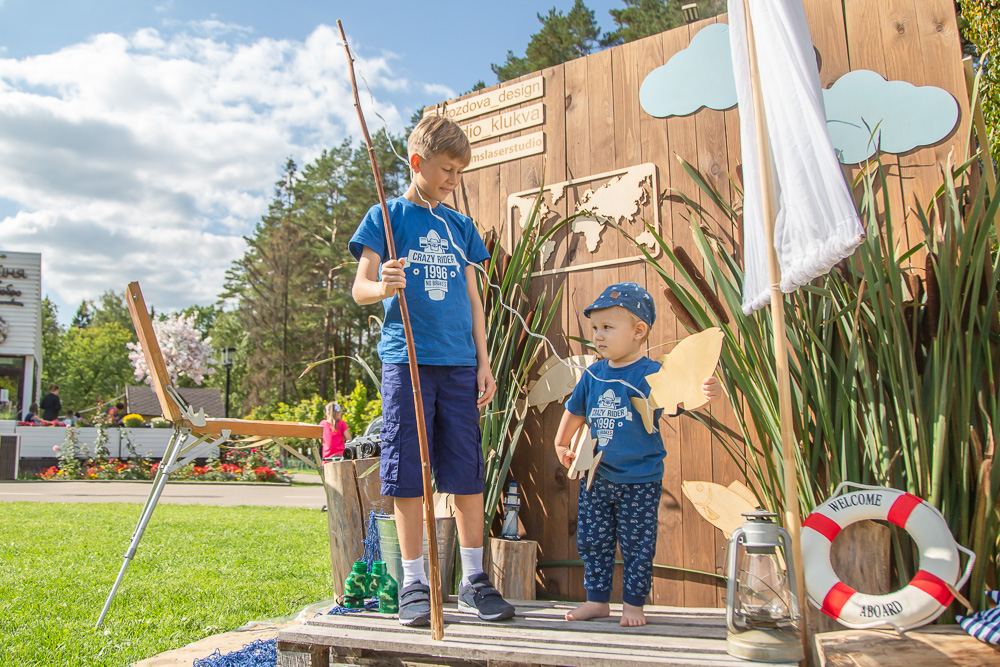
436 247
621 507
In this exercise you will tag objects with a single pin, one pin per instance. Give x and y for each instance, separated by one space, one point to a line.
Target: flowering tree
184 351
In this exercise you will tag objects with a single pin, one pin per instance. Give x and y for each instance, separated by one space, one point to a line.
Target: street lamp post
690 12
228 357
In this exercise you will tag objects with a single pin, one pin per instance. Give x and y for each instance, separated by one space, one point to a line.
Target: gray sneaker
415 605
479 597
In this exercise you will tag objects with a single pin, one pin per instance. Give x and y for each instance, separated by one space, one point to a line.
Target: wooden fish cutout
645 408
585 462
721 506
582 447
557 379
678 382
593 468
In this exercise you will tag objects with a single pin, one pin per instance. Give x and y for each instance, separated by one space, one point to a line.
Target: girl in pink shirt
335 432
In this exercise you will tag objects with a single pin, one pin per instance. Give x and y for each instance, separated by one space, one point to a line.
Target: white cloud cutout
149 156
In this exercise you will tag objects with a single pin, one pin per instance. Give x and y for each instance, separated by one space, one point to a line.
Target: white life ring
916 604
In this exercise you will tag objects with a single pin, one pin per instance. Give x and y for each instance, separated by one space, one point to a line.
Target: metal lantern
511 505
762 609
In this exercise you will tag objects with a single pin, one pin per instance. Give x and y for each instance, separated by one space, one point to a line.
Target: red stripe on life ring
902 508
836 598
823 525
933 586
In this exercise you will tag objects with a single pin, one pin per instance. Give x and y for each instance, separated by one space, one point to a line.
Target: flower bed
235 465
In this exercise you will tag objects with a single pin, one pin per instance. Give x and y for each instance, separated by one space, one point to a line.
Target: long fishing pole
437 612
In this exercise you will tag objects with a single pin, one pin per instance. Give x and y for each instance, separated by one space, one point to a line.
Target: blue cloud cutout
901 116
864 112
699 76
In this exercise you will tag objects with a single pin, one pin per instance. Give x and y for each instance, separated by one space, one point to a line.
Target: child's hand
712 388
565 455
486 385
393 276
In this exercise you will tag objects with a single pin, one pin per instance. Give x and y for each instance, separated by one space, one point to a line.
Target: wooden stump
350 496
511 566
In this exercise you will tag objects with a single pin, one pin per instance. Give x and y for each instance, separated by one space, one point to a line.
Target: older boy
621 506
436 247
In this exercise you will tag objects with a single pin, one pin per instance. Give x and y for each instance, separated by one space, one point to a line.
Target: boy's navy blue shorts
454 440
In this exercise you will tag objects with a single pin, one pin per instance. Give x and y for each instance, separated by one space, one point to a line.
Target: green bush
358 411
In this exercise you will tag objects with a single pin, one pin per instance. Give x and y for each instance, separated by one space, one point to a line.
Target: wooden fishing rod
437 612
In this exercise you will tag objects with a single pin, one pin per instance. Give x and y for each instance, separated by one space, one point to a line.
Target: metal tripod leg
173 448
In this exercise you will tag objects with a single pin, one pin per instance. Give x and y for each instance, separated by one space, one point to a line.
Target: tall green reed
513 347
894 364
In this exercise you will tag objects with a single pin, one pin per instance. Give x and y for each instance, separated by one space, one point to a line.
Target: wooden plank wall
593 124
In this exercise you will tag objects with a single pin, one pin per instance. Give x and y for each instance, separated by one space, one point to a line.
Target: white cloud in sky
437 90
149 156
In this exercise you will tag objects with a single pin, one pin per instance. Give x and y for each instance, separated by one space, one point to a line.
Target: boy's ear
415 163
641 329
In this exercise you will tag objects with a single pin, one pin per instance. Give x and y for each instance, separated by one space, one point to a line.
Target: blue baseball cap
629 296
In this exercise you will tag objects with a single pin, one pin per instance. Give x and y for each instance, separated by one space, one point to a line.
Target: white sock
472 563
413 570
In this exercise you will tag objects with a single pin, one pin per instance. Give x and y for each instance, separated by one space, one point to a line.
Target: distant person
335 431
32 415
71 419
51 405
116 413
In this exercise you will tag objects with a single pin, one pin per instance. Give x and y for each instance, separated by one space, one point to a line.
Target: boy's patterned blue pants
610 514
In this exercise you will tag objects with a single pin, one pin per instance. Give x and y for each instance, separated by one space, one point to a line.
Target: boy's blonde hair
436 135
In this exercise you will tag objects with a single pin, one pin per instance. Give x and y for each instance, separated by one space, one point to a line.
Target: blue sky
141 140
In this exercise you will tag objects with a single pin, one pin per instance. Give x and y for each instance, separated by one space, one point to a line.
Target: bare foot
589 610
632 616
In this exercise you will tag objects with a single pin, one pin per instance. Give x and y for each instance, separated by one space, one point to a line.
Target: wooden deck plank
938 645
538 635
400 645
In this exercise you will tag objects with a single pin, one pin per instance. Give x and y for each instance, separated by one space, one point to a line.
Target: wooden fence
593 125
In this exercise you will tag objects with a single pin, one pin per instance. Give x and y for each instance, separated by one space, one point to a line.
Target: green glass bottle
356 586
387 589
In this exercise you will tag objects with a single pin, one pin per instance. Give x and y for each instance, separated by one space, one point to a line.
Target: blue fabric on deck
984 625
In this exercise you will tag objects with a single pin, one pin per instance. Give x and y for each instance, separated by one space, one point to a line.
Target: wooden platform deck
537 635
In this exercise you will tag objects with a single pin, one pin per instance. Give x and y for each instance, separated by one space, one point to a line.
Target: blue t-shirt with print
631 455
437 294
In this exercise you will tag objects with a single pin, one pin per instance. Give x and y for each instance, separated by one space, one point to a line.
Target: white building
20 328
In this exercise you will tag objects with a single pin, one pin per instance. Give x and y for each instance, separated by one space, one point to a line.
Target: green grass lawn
199 571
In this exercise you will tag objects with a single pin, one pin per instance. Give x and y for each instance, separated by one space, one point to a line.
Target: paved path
177 493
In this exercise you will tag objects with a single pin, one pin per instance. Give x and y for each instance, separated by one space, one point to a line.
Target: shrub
133 421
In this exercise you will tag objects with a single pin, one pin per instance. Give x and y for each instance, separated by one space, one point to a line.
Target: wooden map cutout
621 195
556 379
721 506
678 382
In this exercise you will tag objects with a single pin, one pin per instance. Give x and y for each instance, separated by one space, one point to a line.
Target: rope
370 605
259 653
373 550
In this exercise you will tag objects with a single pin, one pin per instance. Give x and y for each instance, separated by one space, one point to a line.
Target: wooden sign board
505 151
504 123
494 100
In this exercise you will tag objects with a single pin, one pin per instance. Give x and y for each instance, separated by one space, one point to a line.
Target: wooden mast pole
437 612
793 520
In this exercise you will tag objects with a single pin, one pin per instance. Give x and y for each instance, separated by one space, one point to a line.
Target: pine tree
642 18
563 37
